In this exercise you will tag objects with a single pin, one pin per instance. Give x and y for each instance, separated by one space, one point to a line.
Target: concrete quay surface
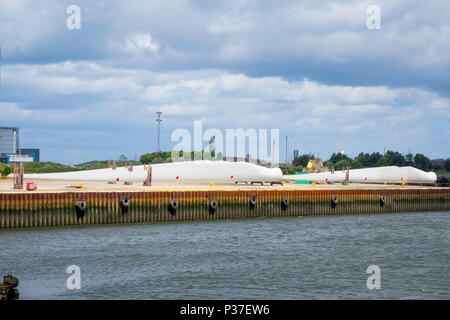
6 186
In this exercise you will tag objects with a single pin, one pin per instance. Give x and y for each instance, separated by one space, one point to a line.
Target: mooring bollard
173 205
252 202
8 288
80 208
284 204
212 206
124 203
334 201
382 200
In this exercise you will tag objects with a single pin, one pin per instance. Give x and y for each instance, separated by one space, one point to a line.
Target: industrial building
10 150
32 153
9 140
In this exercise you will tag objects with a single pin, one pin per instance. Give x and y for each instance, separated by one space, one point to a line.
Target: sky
312 69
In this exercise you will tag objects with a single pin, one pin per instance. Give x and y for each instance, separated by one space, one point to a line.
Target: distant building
9 141
10 150
11 158
33 153
295 153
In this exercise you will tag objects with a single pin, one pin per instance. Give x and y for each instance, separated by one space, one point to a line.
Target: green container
301 181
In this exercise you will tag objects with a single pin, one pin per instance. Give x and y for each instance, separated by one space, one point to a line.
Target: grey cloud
311 68
93 98
323 41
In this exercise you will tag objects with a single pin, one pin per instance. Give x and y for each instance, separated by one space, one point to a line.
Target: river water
322 257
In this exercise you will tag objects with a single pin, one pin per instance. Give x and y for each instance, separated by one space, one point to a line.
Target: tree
123 158
287 169
395 158
153 157
409 160
363 158
343 164
368 160
421 162
6 171
302 160
447 164
146 158
328 164
336 157
356 164
383 162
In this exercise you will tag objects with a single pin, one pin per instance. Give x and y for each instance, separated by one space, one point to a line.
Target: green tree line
337 160
367 160
148 158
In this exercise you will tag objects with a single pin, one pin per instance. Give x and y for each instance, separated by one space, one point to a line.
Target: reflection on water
277 258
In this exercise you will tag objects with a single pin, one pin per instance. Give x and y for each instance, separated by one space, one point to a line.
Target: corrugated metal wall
59 209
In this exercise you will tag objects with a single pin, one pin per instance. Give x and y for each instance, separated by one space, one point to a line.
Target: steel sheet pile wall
18 210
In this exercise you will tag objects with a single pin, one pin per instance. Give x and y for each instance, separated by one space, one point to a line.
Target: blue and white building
10 149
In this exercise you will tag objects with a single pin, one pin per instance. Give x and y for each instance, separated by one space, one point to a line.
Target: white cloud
11 111
234 64
139 43
440 104
94 97
229 24
414 34
234 98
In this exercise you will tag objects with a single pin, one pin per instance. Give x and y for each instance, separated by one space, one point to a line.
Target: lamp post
159 113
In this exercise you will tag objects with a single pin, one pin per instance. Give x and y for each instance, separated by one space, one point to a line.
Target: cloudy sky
312 69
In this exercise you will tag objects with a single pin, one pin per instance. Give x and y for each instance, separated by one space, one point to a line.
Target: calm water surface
278 258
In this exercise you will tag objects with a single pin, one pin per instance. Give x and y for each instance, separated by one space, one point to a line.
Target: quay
96 203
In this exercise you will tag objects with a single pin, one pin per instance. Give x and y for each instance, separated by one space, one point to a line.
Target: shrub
5 172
